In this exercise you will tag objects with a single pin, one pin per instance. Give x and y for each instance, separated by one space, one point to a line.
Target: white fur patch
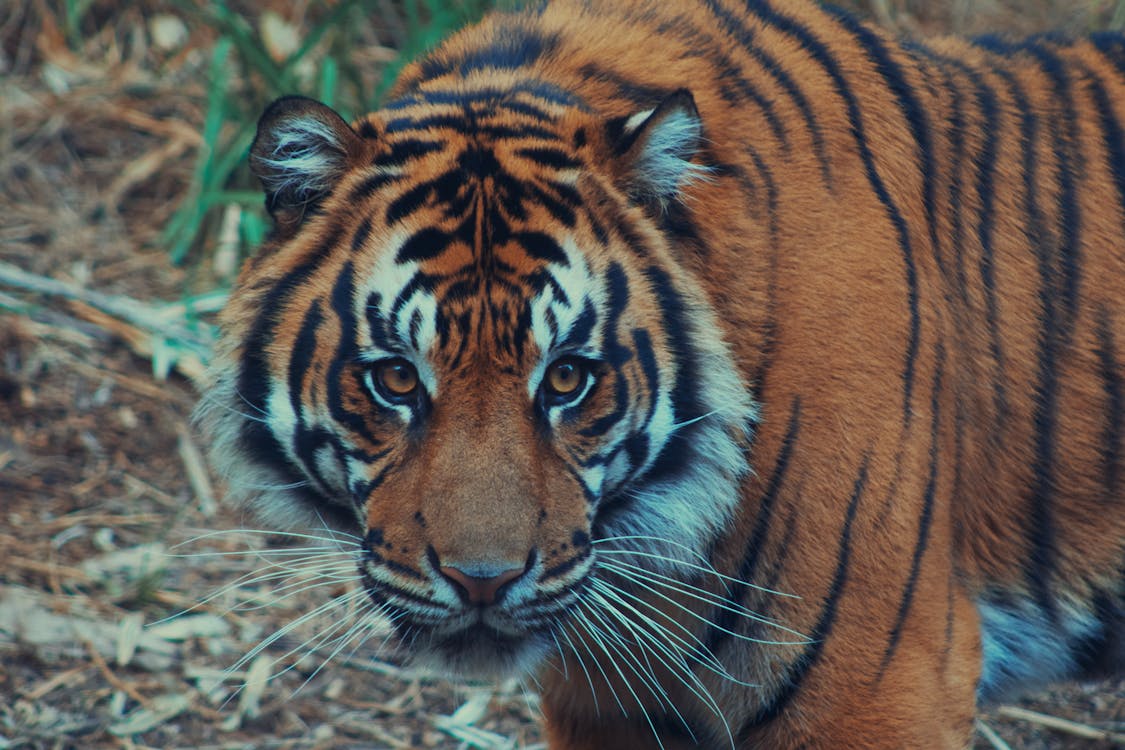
663 167
1021 646
306 159
387 279
580 287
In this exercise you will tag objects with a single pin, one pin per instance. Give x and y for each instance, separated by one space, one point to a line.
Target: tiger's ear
301 151
657 146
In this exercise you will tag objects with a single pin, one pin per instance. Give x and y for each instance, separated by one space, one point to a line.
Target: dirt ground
108 511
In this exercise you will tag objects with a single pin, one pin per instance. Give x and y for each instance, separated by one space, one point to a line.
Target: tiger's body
754 378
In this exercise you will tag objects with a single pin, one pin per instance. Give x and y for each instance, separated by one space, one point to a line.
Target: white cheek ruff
274 497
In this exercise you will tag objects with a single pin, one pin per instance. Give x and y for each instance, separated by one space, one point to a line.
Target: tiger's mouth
476 643
477 651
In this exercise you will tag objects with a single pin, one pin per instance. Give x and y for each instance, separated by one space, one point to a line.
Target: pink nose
480 590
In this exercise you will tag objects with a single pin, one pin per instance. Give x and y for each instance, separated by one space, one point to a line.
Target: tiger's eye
397 377
565 377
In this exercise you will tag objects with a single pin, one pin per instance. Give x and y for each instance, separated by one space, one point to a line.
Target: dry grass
111 131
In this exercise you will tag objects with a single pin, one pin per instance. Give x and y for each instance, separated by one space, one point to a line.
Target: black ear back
300 152
657 147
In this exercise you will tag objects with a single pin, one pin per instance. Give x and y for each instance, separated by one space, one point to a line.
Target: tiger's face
468 344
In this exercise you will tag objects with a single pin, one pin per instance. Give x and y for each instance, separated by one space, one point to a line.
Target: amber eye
396 379
565 378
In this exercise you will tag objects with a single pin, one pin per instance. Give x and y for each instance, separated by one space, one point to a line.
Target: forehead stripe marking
377 323
542 247
367 188
405 150
580 331
423 245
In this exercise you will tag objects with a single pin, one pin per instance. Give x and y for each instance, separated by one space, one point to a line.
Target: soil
108 510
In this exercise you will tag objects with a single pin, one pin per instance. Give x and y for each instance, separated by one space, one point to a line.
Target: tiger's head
468 342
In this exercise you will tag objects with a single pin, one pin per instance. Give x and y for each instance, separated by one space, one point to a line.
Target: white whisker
624 655
742 612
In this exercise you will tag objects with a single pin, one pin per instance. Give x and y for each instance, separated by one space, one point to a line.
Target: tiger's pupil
399 378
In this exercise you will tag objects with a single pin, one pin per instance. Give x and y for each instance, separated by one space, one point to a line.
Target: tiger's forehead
475 232
456 300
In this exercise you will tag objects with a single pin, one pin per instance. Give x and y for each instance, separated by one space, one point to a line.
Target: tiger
745 375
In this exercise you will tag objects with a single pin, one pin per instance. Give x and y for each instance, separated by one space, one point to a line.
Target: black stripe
986 224
802 665
369 186
565 566
407 149
423 245
680 332
821 54
638 445
1070 165
985 160
642 97
1112 45
615 353
342 366
925 520
580 331
561 206
1041 532
555 158
955 279
255 436
1113 137
512 46
908 104
307 441
469 125
725 619
737 28
1110 371
362 232
301 357
378 328
491 97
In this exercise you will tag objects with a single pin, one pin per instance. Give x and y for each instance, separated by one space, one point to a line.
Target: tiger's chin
479 653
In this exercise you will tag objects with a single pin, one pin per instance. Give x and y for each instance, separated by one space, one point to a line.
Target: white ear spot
305 158
301 150
664 141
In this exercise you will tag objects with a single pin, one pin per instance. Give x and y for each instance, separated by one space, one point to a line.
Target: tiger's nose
481 584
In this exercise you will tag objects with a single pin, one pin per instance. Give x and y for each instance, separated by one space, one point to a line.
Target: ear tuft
658 147
300 152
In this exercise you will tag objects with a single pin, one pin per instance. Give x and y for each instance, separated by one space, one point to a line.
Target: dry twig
1058 724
